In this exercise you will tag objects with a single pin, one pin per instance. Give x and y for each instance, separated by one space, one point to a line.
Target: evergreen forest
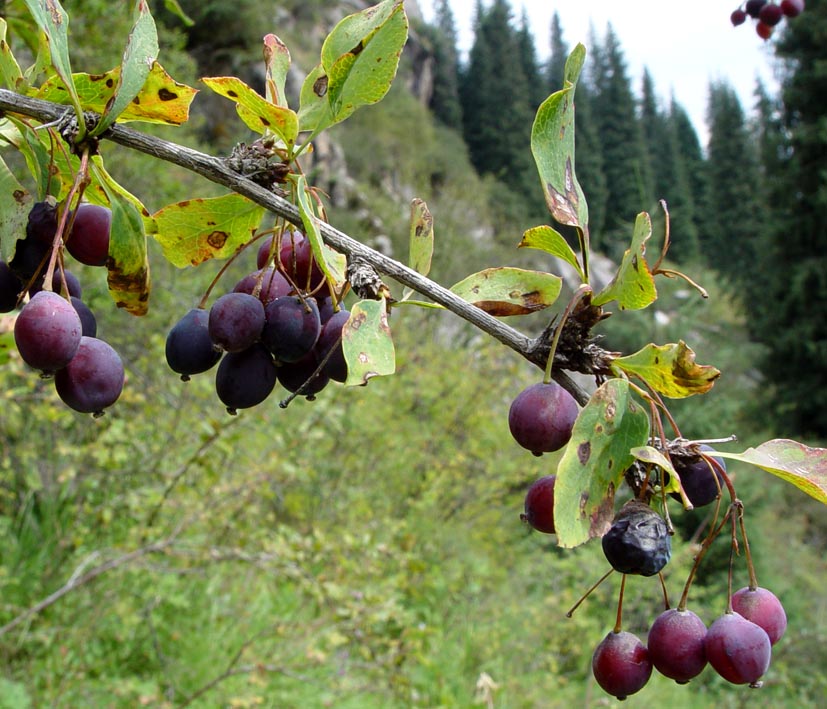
365 549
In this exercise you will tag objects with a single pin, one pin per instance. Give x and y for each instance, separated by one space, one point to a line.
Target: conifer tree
445 97
625 165
670 181
528 60
559 53
496 106
791 316
733 200
692 154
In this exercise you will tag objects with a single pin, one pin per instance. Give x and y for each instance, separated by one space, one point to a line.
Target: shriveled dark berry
638 541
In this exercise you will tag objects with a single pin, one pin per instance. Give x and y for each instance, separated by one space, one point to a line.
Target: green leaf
175 9
552 144
10 74
277 65
421 241
138 58
54 22
669 369
509 291
595 460
367 343
359 60
552 242
30 143
197 230
799 465
258 114
160 100
128 265
15 205
102 181
633 286
332 263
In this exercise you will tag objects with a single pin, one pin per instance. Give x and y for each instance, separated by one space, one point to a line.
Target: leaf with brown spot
670 370
128 265
509 291
595 460
367 343
14 211
277 65
420 240
258 114
161 100
196 230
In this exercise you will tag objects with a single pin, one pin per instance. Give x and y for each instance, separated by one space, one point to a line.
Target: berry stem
619 619
581 292
713 533
753 579
571 610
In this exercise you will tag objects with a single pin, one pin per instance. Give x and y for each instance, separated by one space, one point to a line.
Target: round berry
93 380
753 8
47 332
676 645
189 347
245 379
621 664
638 541
542 416
738 17
235 321
771 14
88 240
738 649
792 8
763 608
539 504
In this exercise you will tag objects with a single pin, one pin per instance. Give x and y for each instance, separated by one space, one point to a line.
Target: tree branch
216 170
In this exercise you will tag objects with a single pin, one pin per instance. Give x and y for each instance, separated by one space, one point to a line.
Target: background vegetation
365 549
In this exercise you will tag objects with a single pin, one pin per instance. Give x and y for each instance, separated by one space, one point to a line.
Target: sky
685 45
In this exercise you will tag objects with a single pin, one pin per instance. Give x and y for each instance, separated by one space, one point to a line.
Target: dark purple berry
292 327
753 8
189 347
301 375
42 223
93 380
676 645
88 241
542 416
763 608
10 287
30 255
771 14
638 541
738 649
701 480
245 379
539 504
72 282
267 283
297 263
236 321
621 664
88 323
330 341
47 332
792 8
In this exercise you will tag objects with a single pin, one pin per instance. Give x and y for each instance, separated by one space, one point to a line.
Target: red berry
763 608
542 416
738 17
792 8
764 31
539 504
47 332
738 649
621 664
93 380
770 14
88 241
676 645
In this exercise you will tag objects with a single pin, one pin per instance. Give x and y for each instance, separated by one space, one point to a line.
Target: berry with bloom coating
621 664
542 416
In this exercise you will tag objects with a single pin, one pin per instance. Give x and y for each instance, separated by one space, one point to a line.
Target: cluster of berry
679 645
768 14
55 331
276 325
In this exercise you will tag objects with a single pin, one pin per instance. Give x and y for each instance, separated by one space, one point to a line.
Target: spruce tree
669 174
735 211
692 157
625 164
496 105
445 97
556 65
528 60
791 316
